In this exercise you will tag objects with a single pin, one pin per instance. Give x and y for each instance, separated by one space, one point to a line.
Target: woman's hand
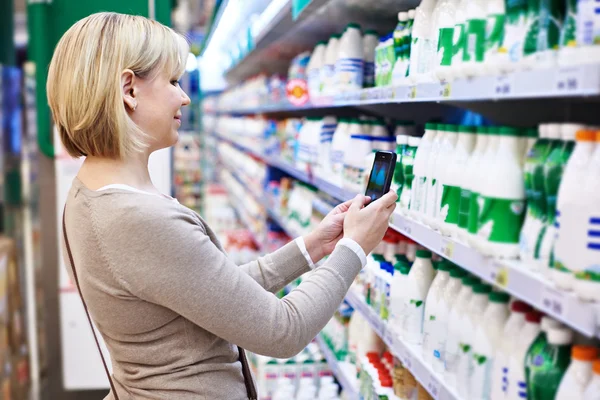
367 225
322 240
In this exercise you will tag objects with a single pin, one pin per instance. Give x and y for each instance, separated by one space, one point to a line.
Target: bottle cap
499 297
412 13
482 288
585 136
353 25
507 131
552 131
404 270
560 336
483 130
451 128
445 265
549 323
596 367
371 32
569 131
402 16
423 254
584 353
533 317
431 126
467 129
520 307
335 36
530 133
457 273
321 42
598 136
470 280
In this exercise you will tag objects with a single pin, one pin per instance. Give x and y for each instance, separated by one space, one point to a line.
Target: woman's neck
97 172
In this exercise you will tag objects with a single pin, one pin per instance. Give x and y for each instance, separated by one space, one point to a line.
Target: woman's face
158 109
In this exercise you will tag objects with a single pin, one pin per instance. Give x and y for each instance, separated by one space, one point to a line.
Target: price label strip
554 302
412 92
568 80
447 248
445 90
499 274
433 387
503 86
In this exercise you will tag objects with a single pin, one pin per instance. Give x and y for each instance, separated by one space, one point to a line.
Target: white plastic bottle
339 144
432 307
494 42
467 180
455 323
424 37
592 392
418 283
488 337
429 184
568 51
401 36
569 219
474 55
420 169
328 82
370 42
359 146
408 160
510 333
588 30
475 312
313 70
451 179
328 128
514 36
444 160
579 373
401 301
349 68
446 21
442 321
459 41
503 195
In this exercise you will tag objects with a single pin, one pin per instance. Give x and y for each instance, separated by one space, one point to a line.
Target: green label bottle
545 364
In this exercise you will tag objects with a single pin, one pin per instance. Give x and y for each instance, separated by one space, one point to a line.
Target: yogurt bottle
419 188
313 69
568 211
501 384
494 41
424 37
467 180
328 82
432 307
517 386
474 54
451 180
579 373
442 321
503 199
339 144
475 311
349 67
446 21
429 184
458 313
488 337
592 392
418 283
408 160
370 42
444 159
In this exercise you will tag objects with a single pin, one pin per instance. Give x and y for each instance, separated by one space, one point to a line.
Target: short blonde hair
84 80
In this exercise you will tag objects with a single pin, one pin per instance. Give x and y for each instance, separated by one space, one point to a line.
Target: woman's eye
175 82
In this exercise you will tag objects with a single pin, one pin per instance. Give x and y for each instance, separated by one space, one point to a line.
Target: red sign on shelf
297 91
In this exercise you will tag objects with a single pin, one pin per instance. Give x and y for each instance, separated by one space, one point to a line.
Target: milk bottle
514 36
517 386
442 320
418 283
419 188
459 41
427 189
544 20
494 42
510 334
408 159
592 392
451 180
339 144
503 199
473 57
359 146
424 37
432 308
403 131
327 130
314 69
458 313
401 34
553 172
579 373
487 340
446 21
567 53
349 67
328 82
475 312
398 297
467 183
370 42
588 31
444 159
570 194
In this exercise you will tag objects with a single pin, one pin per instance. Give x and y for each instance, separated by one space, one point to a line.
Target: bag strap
87 313
250 389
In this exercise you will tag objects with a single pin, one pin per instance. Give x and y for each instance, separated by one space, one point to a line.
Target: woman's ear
128 89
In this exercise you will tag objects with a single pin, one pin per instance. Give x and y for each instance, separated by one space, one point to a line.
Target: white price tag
387 93
553 301
407 360
388 338
568 80
433 387
503 86
446 247
412 92
499 273
445 90
402 224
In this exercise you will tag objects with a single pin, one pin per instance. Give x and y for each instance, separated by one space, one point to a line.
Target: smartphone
382 174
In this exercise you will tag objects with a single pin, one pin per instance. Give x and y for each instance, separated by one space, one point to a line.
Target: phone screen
380 178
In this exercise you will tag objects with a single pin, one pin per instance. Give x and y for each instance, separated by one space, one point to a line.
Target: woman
167 301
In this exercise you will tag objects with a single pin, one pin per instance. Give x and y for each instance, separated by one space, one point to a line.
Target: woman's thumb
357 203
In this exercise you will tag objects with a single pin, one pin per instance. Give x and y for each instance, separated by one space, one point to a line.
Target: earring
134 107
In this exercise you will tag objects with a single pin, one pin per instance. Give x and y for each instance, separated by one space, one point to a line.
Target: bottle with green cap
475 310
349 67
432 308
418 283
451 180
419 184
488 338
446 303
428 194
456 320
502 198
444 161
328 69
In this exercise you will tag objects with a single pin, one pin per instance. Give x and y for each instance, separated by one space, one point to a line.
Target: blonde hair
84 80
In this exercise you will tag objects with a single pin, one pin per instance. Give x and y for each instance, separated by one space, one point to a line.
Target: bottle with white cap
569 218
408 160
349 67
370 42
517 382
313 69
328 82
434 296
451 179
419 188
579 373
424 38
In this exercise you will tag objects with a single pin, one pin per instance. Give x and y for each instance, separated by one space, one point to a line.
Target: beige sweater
171 307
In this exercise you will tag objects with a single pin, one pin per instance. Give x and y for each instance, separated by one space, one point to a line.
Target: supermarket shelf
409 355
512 276
341 375
576 81
285 226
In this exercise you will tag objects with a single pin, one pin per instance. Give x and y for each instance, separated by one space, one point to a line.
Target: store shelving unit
340 373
